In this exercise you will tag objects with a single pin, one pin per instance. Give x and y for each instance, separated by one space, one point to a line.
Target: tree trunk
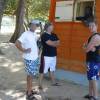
2 7
26 22
20 12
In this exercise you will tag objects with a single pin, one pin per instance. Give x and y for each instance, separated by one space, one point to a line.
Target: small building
72 32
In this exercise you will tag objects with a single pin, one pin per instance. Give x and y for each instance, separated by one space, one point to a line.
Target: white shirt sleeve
22 38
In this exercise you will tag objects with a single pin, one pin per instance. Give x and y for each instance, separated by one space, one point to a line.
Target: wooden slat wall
73 35
70 53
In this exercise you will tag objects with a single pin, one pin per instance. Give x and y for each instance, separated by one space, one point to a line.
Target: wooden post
52 10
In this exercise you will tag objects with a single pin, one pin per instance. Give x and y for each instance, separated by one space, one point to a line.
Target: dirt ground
12 79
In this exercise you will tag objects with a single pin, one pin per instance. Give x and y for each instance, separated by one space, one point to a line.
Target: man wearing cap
27 44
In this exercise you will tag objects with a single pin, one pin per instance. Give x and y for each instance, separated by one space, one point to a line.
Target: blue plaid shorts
93 70
32 67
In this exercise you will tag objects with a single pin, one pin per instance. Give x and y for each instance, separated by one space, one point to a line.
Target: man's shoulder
95 37
24 33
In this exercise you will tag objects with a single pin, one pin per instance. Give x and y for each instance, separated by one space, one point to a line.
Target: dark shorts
32 67
93 70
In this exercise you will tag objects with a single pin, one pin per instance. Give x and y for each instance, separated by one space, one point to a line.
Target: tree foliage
38 8
34 8
11 7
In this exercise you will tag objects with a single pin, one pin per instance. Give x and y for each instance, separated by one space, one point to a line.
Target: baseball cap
35 22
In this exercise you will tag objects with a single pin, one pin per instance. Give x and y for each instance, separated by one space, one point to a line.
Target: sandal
88 97
35 92
91 98
94 98
31 96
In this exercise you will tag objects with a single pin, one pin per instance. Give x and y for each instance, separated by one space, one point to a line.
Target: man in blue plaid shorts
93 61
27 43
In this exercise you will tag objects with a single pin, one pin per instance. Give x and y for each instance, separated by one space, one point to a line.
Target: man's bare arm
53 43
95 41
19 46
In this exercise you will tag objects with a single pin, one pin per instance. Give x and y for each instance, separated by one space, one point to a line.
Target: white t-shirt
29 40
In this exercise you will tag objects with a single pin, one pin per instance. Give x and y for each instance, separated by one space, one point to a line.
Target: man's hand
84 46
27 50
58 42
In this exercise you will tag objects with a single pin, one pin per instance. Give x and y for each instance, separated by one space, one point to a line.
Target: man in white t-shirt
27 43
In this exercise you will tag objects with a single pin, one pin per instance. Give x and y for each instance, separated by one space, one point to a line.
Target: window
82 7
69 10
64 11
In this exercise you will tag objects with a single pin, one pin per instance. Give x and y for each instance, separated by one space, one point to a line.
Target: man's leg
41 71
94 81
49 72
31 71
30 93
52 77
52 69
90 88
89 77
41 77
94 76
40 80
90 95
95 88
29 84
